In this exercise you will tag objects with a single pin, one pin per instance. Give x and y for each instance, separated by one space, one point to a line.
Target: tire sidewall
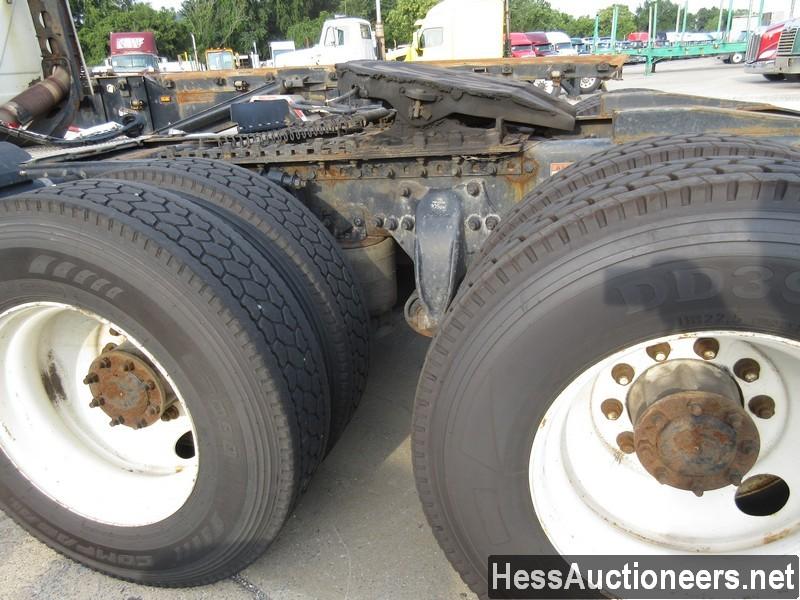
528 339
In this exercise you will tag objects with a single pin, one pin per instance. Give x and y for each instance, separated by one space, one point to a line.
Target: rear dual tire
221 308
596 272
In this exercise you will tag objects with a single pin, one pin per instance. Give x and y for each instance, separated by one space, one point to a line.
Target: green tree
172 36
667 13
537 15
399 21
581 27
626 21
306 32
214 23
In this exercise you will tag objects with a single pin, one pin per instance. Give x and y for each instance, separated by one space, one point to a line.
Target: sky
590 7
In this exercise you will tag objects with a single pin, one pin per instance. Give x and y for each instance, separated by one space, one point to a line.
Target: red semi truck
775 52
133 52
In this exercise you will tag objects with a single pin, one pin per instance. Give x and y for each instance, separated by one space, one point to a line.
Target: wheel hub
690 428
126 388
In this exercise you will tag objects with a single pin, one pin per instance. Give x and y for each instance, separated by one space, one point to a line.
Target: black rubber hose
132 127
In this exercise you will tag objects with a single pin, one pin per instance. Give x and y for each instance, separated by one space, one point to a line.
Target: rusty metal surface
690 428
37 100
126 388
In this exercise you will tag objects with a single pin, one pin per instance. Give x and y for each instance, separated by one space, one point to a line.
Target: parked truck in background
133 52
774 51
342 39
611 288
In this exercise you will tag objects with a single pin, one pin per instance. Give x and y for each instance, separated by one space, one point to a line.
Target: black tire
474 416
304 251
646 152
773 76
229 332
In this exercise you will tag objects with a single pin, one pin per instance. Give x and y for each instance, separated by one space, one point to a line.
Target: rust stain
197 97
774 537
51 380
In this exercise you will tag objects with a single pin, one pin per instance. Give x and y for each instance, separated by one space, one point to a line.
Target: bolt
91 378
706 348
622 374
109 348
747 370
377 222
114 332
696 408
358 222
391 223
117 421
151 385
171 413
99 401
141 424
474 222
734 420
407 223
129 366
735 478
612 409
697 491
492 221
405 192
473 188
659 352
747 446
105 363
625 442
762 406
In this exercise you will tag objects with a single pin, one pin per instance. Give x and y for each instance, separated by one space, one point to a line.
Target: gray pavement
359 532
711 77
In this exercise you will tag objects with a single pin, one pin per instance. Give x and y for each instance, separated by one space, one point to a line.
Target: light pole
379 31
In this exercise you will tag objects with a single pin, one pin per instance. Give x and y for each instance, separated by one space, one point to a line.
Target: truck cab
774 52
134 52
459 30
342 39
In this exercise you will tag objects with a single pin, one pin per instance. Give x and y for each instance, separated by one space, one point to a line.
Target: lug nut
151 385
697 491
612 409
625 442
108 348
734 420
696 409
117 421
706 348
114 332
762 406
473 188
747 446
659 352
171 413
129 366
622 374
91 378
747 370
405 191
377 222
391 223
492 221
407 223
99 401
105 363
474 222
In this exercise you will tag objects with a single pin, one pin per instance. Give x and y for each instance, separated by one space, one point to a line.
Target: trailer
611 290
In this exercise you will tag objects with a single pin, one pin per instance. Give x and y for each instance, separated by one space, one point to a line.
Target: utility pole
379 31
719 20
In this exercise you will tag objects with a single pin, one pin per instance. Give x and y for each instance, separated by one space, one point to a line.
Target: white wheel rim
590 498
113 475
587 82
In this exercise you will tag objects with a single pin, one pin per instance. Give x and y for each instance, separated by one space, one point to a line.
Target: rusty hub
127 388
690 428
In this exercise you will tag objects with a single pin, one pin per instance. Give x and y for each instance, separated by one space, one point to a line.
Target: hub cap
696 411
